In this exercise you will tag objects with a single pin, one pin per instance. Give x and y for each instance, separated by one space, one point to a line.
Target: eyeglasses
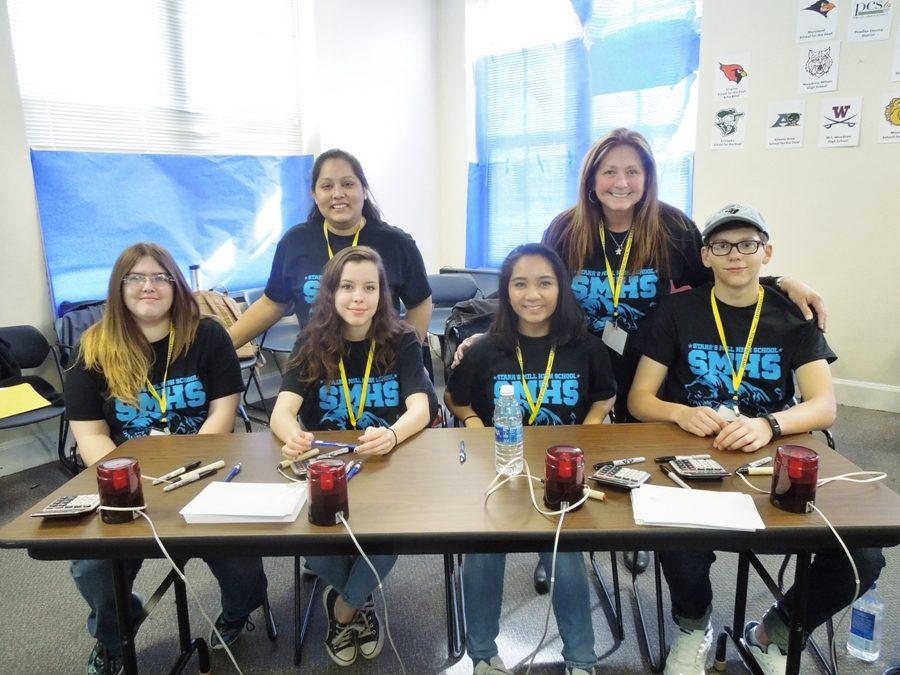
141 279
748 247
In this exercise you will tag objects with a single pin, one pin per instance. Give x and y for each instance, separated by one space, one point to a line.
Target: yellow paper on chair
20 398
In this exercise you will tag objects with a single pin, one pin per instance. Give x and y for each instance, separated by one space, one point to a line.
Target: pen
194 477
620 462
752 465
332 444
343 450
353 470
675 479
234 472
191 474
669 458
177 472
462 452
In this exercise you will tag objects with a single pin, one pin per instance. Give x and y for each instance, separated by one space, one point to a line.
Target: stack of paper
677 507
246 503
20 398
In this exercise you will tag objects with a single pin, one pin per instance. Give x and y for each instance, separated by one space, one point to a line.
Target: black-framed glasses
748 247
134 279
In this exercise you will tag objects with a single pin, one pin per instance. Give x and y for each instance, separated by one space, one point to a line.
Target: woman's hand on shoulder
376 441
463 346
299 442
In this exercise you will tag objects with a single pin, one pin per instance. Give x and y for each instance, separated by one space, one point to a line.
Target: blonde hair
115 345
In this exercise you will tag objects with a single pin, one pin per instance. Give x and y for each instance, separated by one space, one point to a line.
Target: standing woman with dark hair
561 375
153 366
344 214
356 366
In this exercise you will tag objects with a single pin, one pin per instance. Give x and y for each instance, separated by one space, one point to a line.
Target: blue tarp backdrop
225 213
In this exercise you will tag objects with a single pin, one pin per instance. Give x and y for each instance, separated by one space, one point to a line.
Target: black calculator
69 506
699 469
620 476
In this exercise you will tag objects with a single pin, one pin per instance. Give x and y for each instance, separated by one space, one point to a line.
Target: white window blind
156 76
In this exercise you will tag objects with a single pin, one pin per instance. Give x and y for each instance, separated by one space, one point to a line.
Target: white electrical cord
537 649
874 477
140 511
387 625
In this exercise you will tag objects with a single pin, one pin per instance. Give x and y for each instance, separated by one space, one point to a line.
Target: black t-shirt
302 254
682 336
324 407
581 376
208 370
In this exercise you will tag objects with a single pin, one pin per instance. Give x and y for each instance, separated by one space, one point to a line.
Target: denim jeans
483 582
242 583
350 575
831 588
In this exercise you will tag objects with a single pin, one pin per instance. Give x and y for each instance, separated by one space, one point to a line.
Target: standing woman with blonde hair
151 365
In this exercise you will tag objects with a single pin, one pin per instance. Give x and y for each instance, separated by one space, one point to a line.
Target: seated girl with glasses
561 374
151 365
358 366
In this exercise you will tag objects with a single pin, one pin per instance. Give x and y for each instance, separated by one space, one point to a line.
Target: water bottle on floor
864 641
509 455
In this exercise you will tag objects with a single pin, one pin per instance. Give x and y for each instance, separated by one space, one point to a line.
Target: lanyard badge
737 375
535 407
616 282
362 224
365 387
161 398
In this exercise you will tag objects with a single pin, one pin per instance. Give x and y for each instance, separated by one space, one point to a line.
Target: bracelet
466 419
396 442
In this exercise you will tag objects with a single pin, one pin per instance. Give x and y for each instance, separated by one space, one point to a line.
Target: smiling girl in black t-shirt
357 367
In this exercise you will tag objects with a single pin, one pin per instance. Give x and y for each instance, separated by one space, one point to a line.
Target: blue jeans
350 575
831 588
242 583
483 583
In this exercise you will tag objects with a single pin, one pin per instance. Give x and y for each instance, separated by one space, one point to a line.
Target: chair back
448 289
26 345
72 325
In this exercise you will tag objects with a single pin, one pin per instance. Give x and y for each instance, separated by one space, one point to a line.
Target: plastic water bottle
864 641
509 454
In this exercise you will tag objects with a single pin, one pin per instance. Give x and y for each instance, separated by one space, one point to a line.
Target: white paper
839 122
816 20
221 502
889 118
895 66
784 125
729 123
869 20
697 508
731 73
818 66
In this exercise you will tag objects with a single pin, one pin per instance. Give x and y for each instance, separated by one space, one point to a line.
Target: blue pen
332 444
234 472
355 469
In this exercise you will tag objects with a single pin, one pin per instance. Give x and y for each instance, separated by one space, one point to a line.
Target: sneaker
229 630
369 638
493 667
101 662
689 651
771 659
579 671
340 641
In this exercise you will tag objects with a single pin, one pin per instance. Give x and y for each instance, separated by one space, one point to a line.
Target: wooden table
420 499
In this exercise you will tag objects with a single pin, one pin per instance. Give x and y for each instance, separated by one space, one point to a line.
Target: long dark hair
370 209
573 233
566 322
322 341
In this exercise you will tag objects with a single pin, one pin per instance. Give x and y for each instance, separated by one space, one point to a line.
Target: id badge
614 337
159 429
726 412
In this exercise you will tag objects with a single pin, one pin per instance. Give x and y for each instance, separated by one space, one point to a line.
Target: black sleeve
84 390
811 346
603 382
415 286
462 378
223 369
657 337
292 379
277 288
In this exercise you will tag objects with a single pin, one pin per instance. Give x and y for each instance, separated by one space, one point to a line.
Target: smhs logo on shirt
384 392
593 292
713 384
562 390
181 393
311 285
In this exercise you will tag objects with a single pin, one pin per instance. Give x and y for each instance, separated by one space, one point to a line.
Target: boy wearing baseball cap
719 361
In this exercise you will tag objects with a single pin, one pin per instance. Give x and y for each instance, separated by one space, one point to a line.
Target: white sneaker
579 671
771 659
493 667
688 653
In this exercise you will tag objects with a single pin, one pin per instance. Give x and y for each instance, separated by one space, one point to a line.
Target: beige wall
834 212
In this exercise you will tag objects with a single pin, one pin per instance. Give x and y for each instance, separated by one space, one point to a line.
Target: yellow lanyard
737 376
615 283
362 224
365 387
161 400
535 407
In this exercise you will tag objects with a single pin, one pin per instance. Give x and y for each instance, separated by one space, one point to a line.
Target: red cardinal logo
733 71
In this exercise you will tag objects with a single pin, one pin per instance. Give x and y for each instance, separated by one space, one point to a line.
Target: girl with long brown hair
153 366
357 366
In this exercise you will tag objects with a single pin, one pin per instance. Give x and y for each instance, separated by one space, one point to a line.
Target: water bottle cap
507 390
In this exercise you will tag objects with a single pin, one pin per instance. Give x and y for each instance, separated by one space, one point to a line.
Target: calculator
620 476
68 506
699 469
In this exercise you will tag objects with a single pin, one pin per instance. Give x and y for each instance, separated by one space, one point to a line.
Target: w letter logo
840 111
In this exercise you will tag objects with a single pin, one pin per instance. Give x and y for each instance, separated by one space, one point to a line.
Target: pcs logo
734 72
786 120
892 112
